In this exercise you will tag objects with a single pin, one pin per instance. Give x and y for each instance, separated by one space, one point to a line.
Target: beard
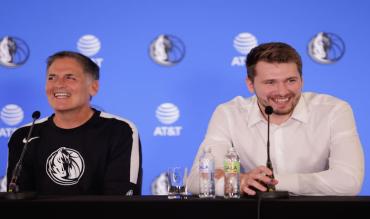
281 109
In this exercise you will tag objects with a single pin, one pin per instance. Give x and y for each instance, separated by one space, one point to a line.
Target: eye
51 77
269 82
292 80
70 77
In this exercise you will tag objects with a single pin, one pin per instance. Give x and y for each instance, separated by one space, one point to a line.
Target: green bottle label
232 167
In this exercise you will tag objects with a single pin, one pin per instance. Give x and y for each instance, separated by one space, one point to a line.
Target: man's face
277 85
68 88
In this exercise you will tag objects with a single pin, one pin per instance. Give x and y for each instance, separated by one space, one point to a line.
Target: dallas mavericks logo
14 52
167 50
326 48
65 166
160 185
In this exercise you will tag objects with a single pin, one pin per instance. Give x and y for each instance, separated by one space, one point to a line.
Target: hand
257 178
219 173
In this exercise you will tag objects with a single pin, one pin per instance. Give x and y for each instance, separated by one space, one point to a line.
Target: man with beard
314 145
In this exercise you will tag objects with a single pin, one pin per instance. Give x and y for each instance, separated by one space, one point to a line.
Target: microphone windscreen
269 110
36 115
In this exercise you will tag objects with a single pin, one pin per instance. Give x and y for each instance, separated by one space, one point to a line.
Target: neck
72 119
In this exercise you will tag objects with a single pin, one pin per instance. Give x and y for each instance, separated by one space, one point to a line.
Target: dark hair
272 52
87 64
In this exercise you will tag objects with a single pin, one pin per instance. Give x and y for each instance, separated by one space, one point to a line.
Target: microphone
269 111
13 189
271 190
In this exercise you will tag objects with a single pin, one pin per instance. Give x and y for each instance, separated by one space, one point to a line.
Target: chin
283 111
61 108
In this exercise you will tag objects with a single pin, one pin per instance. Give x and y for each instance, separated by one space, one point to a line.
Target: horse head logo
65 166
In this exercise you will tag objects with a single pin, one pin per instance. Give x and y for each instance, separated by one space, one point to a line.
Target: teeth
281 100
61 95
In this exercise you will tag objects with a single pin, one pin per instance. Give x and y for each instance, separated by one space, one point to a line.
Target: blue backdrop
166 65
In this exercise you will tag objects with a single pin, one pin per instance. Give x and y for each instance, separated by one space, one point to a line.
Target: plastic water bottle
207 174
232 174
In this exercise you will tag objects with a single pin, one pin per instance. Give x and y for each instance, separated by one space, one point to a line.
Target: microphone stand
13 190
271 190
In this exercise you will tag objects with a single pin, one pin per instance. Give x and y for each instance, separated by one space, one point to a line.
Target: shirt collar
300 112
255 116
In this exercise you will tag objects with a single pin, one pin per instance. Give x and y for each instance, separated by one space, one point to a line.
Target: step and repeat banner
166 65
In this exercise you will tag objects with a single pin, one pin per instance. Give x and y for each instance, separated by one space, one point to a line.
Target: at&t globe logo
326 48
243 43
167 50
167 114
14 51
10 115
90 45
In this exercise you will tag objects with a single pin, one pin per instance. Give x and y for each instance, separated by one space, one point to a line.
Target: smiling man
78 149
314 145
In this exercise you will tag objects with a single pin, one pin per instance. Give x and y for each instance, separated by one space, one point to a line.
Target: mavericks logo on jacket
65 166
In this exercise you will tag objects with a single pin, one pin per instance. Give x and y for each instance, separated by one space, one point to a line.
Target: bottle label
206 167
232 167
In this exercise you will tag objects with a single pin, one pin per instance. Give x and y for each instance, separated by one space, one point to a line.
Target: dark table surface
189 207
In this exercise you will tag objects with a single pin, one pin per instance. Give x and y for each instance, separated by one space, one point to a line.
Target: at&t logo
243 43
167 114
89 45
11 115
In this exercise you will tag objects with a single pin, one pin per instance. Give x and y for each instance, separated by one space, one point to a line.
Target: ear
250 85
94 88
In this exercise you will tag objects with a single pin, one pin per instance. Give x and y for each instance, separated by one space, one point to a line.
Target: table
192 207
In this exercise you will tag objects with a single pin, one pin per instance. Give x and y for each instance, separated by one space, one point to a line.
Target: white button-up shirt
317 151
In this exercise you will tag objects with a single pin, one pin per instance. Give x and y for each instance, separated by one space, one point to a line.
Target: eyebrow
285 79
293 77
67 74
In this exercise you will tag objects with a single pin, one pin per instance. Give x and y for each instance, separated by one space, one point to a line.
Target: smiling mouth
281 100
61 95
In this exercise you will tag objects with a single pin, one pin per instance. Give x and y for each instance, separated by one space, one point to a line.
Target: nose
59 82
282 89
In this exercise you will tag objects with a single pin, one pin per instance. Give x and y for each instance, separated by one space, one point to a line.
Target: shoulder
238 103
118 121
325 103
317 99
20 134
22 131
233 110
